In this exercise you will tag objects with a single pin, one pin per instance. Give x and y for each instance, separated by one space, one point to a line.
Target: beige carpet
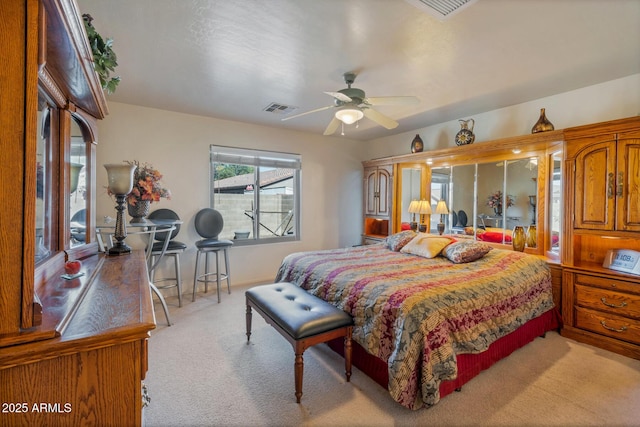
202 373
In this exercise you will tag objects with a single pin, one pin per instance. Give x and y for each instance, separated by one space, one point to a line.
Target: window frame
258 159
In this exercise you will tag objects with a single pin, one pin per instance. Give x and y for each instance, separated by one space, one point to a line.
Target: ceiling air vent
276 108
441 9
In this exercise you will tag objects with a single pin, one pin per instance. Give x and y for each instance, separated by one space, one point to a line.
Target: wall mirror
44 176
78 188
555 202
441 190
462 198
412 180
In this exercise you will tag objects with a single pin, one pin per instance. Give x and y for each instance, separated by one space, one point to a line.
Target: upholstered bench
303 319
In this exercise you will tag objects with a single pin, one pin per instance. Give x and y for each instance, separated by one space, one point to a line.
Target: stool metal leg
176 258
195 277
218 275
226 270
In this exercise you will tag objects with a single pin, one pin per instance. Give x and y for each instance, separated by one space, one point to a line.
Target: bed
425 325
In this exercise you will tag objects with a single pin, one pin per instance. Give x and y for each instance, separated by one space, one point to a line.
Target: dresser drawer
619 303
607 283
613 326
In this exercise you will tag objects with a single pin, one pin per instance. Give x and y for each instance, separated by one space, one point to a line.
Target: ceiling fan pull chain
342 129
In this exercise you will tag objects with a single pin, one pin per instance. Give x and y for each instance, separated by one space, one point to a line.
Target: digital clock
625 260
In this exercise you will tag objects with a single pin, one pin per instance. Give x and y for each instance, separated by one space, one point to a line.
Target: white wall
178 146
611 100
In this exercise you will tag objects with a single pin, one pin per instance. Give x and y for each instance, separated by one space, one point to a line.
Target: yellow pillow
427 245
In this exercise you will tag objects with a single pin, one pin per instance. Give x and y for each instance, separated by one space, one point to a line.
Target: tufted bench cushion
301 318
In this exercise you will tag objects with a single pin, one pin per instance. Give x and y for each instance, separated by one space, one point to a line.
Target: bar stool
174 249
209 223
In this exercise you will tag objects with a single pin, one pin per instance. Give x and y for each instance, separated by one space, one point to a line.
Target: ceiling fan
352 104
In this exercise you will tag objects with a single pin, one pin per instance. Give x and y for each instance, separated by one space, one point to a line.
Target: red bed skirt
469 365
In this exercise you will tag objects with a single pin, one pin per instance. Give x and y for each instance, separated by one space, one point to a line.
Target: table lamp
414 208
120 178
424 209
441 208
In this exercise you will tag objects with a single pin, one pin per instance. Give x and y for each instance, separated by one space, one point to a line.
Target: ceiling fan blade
339 96
308 112
380 118
333 125
392 100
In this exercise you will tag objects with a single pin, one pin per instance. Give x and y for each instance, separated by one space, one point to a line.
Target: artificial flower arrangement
495 200
147 184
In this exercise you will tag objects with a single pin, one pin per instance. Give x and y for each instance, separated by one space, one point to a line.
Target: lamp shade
75 175
441 208
425 208
349 115
120 177
414 207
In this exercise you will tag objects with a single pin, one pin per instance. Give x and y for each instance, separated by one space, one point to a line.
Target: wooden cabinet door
384 191
377 191
370 191
595 192
628 182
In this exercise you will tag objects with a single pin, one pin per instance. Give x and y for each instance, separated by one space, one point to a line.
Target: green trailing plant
104 58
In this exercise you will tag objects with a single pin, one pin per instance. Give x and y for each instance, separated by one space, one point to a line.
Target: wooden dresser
602 180
72 352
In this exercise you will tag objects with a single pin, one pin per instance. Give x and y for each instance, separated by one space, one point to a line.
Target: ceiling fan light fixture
349 116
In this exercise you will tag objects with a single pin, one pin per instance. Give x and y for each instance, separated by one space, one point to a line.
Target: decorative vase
518 238
417 145
139 211
498 210
532 238
465 136
543 124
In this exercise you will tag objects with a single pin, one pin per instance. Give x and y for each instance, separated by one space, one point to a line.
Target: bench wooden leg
299 370
347 353
248 316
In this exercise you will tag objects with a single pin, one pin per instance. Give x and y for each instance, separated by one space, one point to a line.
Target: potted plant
104 58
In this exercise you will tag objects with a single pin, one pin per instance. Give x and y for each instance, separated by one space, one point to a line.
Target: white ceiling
231 58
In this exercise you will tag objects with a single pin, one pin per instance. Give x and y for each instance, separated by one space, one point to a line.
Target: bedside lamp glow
414 208
424 209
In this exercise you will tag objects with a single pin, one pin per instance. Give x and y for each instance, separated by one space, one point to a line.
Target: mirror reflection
440 193
411 190
78 186
43 196
462 199
556 201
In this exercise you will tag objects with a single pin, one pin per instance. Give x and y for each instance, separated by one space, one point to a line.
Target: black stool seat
302 319
172 246
205 244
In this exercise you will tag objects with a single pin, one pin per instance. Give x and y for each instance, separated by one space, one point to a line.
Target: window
258 194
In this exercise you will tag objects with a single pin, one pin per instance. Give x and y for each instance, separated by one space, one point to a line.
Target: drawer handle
604 325
604 301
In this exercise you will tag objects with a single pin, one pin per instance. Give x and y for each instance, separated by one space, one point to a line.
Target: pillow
395 242
466 251
427 245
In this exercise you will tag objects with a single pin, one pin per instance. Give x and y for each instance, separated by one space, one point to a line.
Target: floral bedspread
417 313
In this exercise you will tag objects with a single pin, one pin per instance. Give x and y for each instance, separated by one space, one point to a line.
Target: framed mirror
462 198
44 176
78 188
555 203
412 180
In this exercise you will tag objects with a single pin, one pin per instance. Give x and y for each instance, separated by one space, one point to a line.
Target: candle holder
120 179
